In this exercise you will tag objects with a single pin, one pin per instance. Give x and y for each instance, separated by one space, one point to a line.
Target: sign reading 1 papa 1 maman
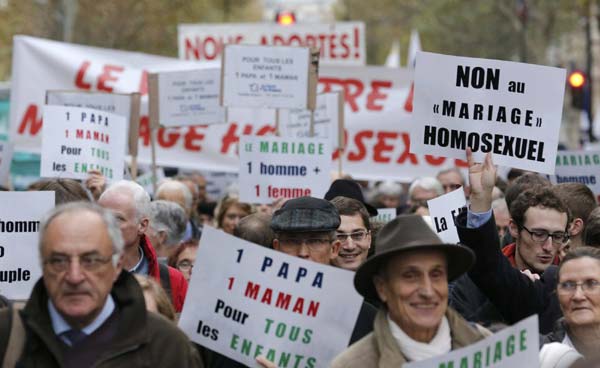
76 140
578 167
20 216
514 346
513 110
245 300
269 77
274 167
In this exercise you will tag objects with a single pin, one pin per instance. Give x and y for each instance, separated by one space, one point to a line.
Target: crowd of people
116 266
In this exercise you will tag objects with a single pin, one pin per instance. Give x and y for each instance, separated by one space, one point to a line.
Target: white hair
389 188
175 185
141 198
169 217
427 183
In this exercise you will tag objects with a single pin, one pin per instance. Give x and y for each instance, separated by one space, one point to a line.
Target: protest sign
180 98
578 167
126 105
327 120
513 346
443 210
146 180
273 167
376 110
269 77
20 216
384 215
77 140
6 155
513 110
341 43
245 300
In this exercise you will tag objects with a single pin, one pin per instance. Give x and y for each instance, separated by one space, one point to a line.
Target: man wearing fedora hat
306 227
409 275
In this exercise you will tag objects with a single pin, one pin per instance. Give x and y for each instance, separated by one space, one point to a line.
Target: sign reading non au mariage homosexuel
245 300
513 110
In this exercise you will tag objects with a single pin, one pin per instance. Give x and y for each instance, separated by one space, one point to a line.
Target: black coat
466 298
512 293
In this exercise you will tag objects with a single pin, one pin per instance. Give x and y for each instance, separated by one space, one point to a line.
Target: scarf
414 350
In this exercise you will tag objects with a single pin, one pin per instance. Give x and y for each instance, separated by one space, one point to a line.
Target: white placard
274 167
443 210
326 120
341 43
513 110
266 77
513 346
6 155
189 97
578 167
145 180
245 300
385 215
20 216
76 140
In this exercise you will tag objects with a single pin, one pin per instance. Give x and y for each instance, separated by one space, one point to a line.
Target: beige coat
380 350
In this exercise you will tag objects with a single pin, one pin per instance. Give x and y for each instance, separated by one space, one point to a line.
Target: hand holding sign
482 179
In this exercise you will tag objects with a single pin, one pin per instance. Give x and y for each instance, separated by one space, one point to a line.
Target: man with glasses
85 311
354 233
306 227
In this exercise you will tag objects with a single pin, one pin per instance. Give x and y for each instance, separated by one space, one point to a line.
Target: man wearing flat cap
409 275
306 227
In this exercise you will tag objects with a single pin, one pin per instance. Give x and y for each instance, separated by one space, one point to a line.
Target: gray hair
141 198
169 217
176 185
109 220
427 183
453 169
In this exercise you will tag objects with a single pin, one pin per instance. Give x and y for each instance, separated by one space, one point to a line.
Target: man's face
533 255
422 195
122 206
355 242
389 201
414 288
80 241
315 246
580 308
450 181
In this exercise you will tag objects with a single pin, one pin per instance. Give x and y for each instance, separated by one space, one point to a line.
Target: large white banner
20 216
377 110
246 300
341 43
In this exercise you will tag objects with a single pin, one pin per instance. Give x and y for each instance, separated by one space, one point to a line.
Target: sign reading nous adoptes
513 110
245 300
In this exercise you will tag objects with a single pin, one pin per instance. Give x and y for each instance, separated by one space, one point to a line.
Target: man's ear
514 229
143 226
335 248
162 236
276 244
576 227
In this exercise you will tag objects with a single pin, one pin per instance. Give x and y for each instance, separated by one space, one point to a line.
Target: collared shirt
60 326
142 266
476 219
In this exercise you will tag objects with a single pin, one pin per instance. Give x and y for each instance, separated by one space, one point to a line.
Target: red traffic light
285 18
576 79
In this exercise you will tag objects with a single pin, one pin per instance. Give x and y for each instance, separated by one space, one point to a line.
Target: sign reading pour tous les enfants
511 109
514 346
182 98
269 77
273 167
245 300
76 140
20 216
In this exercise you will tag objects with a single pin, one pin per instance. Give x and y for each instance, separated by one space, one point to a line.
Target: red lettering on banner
79 83
358 141
461 163
107 76
294 39
191 137
332 46
377 95
30 118
266 130
435 161
347 85
171 137
144 132
381 146
208 48
344 43
406 155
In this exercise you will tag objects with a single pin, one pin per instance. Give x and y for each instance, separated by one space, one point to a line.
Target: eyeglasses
590 286
356 236
313 244
89 262
558 238
185 265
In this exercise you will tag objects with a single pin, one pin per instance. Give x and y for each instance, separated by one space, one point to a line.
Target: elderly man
178 192
409 275
452 179
306 227
420 191
84 311
166 227
130 204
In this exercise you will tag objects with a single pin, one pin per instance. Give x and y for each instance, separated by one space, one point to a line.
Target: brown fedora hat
409 233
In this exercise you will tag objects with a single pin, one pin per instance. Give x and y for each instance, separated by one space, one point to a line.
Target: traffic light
578 84
285 18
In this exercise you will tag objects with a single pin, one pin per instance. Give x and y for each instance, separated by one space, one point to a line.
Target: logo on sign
255 87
